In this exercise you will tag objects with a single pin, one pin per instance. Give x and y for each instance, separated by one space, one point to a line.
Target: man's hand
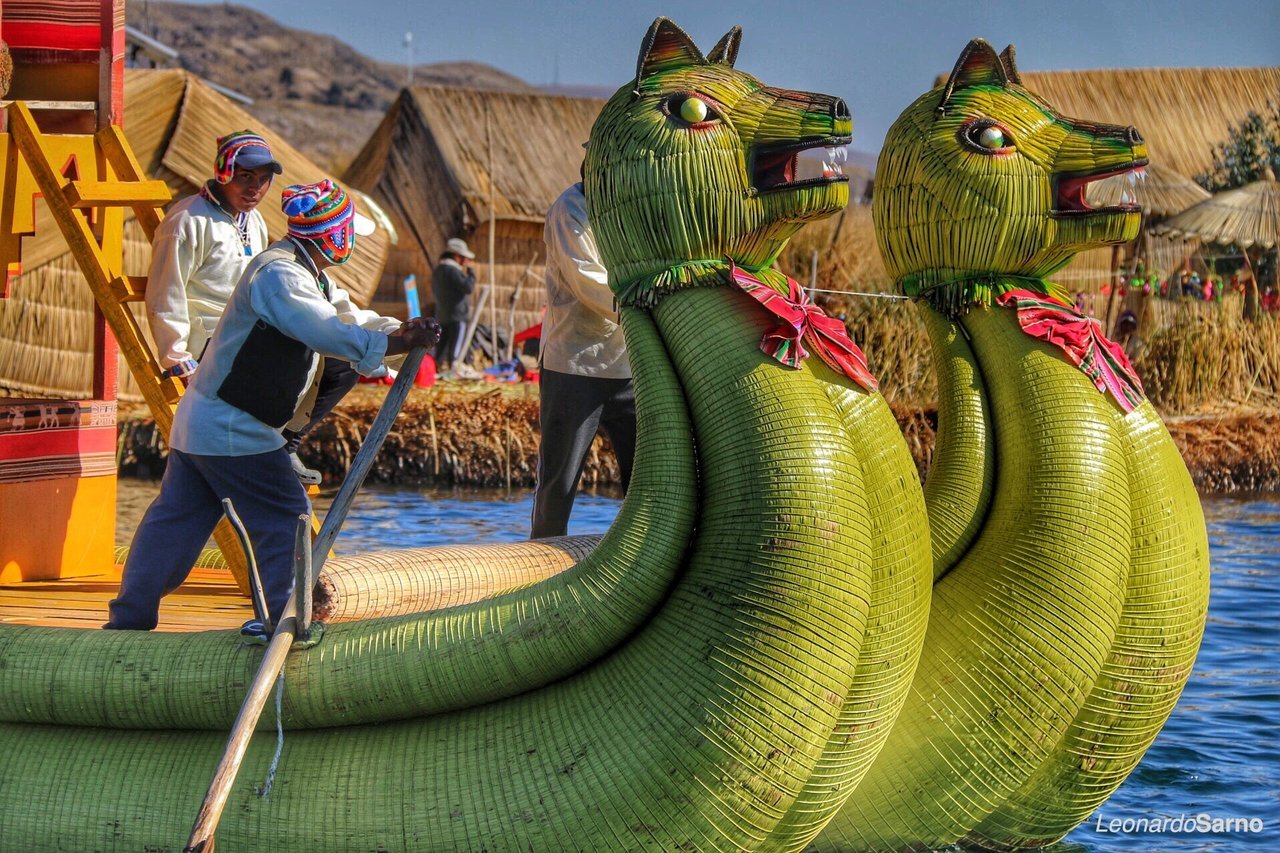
418 332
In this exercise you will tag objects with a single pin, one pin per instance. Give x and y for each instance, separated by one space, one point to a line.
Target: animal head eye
986 136
692 109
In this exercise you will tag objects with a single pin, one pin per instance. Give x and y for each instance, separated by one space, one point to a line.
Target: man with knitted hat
203 246
226 439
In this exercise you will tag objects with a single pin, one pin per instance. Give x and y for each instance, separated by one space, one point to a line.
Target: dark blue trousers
266 495
572 409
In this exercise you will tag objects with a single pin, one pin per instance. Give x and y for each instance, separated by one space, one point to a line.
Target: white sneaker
306 476
466 371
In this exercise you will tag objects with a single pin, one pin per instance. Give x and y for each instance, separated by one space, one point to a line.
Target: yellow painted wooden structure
76 205
208 600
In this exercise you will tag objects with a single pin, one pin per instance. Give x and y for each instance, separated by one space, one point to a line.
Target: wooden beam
129 288
116 148
88 255
83 194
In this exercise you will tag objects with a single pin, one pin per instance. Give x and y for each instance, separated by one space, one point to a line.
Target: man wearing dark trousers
225 441
452 282
585 378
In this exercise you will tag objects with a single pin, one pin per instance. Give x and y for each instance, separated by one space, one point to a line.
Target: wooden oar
273 659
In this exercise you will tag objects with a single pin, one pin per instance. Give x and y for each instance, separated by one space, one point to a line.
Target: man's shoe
306 476
255 632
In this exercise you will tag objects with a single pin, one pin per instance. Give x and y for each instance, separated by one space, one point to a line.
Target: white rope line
856 293
265 790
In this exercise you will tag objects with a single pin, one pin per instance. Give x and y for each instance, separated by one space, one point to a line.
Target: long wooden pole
215 800
475 322
511 312
493 224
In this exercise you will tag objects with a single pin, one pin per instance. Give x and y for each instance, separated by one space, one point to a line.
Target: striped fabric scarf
803 321
1081 339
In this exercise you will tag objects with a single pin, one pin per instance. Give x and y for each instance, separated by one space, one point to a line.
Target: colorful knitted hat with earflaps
245 149
323 214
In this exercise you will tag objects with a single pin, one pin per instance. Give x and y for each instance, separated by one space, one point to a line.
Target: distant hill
317 91
320 93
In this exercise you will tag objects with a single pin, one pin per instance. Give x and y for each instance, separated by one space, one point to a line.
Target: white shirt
286 294
196 259
580 331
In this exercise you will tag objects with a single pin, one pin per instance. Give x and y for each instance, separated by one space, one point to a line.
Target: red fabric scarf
1081 339
801 320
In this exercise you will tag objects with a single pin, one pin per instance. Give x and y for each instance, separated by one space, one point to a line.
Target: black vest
269 373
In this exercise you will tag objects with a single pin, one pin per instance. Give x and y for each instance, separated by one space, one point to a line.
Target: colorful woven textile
230 147
1081 338
804 321
323 214
52 25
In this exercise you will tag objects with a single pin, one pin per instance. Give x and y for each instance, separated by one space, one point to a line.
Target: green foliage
1251 145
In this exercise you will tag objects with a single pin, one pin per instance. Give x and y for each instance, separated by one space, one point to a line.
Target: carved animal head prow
694 161
981 177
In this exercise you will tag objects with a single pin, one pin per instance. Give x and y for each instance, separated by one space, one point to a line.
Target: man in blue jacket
226 437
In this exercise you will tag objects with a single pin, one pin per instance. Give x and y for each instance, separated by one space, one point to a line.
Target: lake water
1217 757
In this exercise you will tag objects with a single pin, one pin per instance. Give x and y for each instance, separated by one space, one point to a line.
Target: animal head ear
1010 65
665 47
726 50
978 65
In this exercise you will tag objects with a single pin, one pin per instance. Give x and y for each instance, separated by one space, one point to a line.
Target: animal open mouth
1069 191
776 166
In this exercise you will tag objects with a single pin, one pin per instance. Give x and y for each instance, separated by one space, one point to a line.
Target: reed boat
714 671
774 646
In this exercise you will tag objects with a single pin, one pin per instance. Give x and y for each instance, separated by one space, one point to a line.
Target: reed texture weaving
1070 551
717 673
391 583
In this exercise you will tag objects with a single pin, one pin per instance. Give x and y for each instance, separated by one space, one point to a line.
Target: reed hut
172 121
1247 217
1182 113
449 161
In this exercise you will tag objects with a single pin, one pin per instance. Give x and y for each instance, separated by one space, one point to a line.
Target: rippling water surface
1218 756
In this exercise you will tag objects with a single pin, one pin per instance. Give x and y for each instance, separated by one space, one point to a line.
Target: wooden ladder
70 202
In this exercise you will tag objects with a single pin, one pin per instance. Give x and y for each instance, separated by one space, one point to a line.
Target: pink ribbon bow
804 321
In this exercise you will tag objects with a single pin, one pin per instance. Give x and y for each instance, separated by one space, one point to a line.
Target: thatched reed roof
1181 112
171 120
1247 217
441 154
518 150
1162 192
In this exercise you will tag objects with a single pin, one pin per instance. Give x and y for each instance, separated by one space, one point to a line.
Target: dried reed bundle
1207 355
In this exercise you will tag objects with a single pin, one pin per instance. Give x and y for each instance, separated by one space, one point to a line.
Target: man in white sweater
201 249
585 378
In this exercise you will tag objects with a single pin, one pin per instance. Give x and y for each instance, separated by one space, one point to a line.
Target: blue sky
877 55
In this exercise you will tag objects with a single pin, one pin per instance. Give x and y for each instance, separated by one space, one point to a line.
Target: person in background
226 437
202 247
585 378
452 282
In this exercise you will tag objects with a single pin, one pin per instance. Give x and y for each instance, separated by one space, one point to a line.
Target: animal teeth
836 154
